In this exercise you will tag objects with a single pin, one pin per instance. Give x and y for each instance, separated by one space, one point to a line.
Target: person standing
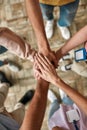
68 9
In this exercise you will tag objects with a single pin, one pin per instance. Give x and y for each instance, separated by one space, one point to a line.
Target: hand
32 55
58 55
51 56
35 70
46 69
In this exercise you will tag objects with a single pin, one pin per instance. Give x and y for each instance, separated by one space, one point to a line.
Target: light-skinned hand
46 69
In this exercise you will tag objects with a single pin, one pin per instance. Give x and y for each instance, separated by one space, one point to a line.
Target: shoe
27 97
13 67
3 78
64 31
67 57
51 96
49 28
62 94
66 67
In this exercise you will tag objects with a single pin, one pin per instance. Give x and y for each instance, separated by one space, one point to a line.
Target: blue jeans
2 49
56 105
67 13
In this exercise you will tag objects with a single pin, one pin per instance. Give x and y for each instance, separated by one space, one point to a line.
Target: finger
40 75
40 63
54 62
43 61
49 63
36 75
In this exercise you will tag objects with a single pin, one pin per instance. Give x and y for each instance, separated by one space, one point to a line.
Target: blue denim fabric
47 11
67 13
55 105
66 100
53 108
2 49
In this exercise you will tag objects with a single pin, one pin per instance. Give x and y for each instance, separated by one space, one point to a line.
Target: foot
66 67
64 31
3 78
62 94
49 28
51 96
27 97
13 67
66 57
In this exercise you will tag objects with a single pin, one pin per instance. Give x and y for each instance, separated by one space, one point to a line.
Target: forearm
35 113
14 43
79 38
35 16
73 94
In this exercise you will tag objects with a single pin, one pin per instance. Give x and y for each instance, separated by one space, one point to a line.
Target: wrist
59 54
57 80
44 48
43 84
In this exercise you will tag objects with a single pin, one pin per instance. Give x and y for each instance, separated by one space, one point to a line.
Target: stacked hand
45 69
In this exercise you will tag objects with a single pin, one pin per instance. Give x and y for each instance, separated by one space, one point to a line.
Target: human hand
32 55
46 69
51 55
58 55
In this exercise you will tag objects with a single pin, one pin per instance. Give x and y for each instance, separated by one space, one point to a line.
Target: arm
48 73
79 38
35 113
35 16
80 100
14 43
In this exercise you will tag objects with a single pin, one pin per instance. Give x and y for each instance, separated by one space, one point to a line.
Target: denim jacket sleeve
15 44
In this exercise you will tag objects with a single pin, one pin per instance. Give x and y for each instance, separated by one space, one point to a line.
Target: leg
54 103
65 99
53 108
18 113
47 11
4 86
67 13
19 109
3 94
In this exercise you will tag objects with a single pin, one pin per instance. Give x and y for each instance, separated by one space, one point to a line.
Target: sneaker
65 32
62 94
27 97
3 78
66 67
13 67
51 96
49 28
66 57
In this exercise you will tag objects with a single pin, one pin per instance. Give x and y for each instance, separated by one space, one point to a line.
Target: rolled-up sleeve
14 43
